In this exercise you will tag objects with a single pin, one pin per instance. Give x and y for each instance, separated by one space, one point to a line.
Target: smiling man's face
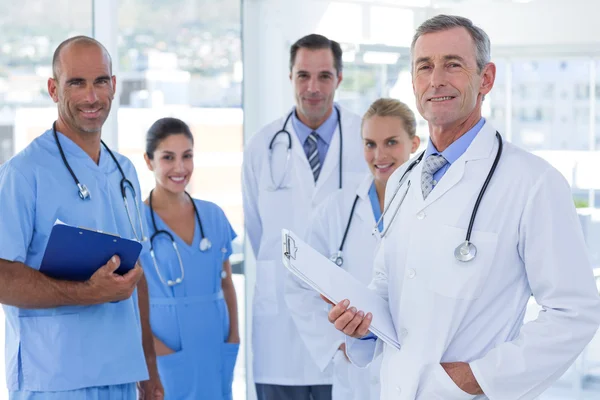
447 84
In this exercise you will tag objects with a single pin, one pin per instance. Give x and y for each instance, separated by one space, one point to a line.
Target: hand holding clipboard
106 263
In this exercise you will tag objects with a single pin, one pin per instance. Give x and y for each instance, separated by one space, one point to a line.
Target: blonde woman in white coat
388 139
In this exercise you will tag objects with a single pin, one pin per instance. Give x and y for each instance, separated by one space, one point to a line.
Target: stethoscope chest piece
205 244
84 193
465 251
337 259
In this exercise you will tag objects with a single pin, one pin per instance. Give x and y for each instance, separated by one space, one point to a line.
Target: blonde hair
393 108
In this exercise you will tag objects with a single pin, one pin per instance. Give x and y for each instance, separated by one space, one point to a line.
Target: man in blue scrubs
72 340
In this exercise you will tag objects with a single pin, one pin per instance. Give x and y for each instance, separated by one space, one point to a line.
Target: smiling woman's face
173 162
387 145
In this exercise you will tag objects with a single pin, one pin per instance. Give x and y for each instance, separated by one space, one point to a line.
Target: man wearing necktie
459 322
324 155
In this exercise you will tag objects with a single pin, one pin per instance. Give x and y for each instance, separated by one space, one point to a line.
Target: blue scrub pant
279 392
114 392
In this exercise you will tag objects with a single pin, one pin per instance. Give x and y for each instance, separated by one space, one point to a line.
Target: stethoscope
466 251
338 257
125 184
205 243
289 151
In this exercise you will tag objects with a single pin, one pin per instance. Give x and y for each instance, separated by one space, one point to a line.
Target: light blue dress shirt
325 131
375 205
454 151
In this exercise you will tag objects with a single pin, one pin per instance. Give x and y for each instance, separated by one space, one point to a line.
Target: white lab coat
309 310
529 240
279 354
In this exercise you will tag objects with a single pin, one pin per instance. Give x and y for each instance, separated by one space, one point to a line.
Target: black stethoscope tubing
159 231
284 130
467 243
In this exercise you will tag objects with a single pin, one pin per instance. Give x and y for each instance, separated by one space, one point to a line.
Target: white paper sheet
336 284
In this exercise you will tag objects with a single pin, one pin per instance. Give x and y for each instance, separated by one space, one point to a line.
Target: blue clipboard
76 253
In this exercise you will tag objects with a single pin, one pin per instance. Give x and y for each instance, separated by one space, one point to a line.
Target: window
29 39
541 120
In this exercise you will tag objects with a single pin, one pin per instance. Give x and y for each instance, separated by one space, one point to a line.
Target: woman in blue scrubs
193 306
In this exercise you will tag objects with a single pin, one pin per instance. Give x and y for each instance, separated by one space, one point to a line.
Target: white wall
539 26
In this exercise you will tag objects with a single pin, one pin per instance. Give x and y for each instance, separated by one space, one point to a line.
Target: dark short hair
317 42
162 129
75 39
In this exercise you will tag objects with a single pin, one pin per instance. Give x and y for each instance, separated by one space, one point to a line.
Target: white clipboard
336 284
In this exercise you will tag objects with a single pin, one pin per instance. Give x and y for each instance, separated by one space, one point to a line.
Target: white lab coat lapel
480 148
302 169
332 161
364 211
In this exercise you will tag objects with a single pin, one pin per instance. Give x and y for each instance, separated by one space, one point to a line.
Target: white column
105 27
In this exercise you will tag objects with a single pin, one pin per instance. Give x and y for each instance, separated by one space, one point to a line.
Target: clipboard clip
289 247
98 231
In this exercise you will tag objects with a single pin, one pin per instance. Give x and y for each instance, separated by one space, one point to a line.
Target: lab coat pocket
175 373
458 279
436 384
265 293
51 352
341 381
165 325
230 353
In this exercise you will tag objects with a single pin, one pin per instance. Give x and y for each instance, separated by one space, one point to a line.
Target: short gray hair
443 22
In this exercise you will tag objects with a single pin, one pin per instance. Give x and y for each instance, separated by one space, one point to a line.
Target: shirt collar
458 147
325 131
73 151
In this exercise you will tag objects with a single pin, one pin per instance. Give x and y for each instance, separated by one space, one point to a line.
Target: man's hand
105 286
234 338
151 389
463 377
350 321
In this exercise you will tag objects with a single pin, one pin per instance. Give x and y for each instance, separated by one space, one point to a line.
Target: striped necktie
312 153
433 163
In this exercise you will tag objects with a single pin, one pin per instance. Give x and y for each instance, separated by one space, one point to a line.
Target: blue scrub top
202 269
375 205
71 347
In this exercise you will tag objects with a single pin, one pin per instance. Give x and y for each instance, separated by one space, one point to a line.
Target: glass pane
550 104
494 104
29 39
371 72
